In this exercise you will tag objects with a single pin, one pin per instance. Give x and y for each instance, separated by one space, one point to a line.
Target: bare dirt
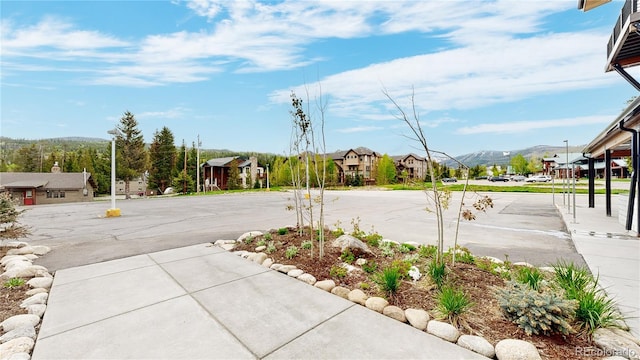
485 317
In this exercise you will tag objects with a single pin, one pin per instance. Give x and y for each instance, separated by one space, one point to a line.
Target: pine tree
131 156
163 157
233 182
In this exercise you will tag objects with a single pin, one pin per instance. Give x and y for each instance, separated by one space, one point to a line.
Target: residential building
54 187
215 172
360 161
414 165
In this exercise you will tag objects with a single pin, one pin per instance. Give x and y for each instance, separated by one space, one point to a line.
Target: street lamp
113 211
566 172
565 177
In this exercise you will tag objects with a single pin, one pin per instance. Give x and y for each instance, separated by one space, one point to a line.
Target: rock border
619 342
19 332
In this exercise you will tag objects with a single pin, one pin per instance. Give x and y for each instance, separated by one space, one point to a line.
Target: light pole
564 178
113 211
567 176
267 177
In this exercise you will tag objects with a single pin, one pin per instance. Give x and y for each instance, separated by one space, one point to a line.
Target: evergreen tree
131 156
162 156
27 159
233 182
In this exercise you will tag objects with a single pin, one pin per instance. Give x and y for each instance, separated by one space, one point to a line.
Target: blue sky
490 75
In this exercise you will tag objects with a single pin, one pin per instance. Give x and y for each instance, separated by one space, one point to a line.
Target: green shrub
387 249
364 286
347 256
427 251
283 231
268 236
465 257
271 248
437 272
408 247
370 267
452 303
411 258
595 310
388 279
248 240
337 271
402 266
261 242
307 245
373 239
14 283
530 276
572 278
291 252
536 312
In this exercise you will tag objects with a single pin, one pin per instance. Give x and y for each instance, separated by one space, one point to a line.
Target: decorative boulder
376 303
477 344
418 318
350 242
513 349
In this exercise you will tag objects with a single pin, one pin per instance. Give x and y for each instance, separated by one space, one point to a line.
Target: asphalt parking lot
522 227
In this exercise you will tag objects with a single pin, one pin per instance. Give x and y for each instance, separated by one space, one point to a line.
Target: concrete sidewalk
201 302
610 251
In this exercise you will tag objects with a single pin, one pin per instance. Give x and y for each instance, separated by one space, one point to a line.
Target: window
49 194
61 194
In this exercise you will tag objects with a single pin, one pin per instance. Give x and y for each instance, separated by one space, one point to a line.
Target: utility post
198 167
184 179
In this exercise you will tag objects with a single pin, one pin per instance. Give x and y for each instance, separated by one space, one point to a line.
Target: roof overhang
612 137
586 5
25 184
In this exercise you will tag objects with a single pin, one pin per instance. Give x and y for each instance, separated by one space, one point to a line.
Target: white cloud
524 126
358 129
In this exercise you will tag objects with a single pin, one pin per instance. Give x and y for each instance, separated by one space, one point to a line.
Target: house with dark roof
414 166
215 172
48 188
360 161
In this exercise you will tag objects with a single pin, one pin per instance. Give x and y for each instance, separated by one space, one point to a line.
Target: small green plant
452 303
248 240
402 266
271 248
572 278
339 231
373 239
337 271
261 242
536 312
370 267
530 276
283 231
357 232
347 256
411 258
14 283
388 280
365 286
291 252
268 236
465 257
387 249
427 251
307 245
437 272
407 247
595 310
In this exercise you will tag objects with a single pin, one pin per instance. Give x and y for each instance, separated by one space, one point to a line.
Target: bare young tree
413 121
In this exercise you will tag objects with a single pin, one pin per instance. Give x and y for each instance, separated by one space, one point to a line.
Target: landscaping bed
478 278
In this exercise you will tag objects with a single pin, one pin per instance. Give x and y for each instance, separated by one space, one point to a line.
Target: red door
28 197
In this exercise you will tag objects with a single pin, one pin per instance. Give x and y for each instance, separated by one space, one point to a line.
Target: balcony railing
628 14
